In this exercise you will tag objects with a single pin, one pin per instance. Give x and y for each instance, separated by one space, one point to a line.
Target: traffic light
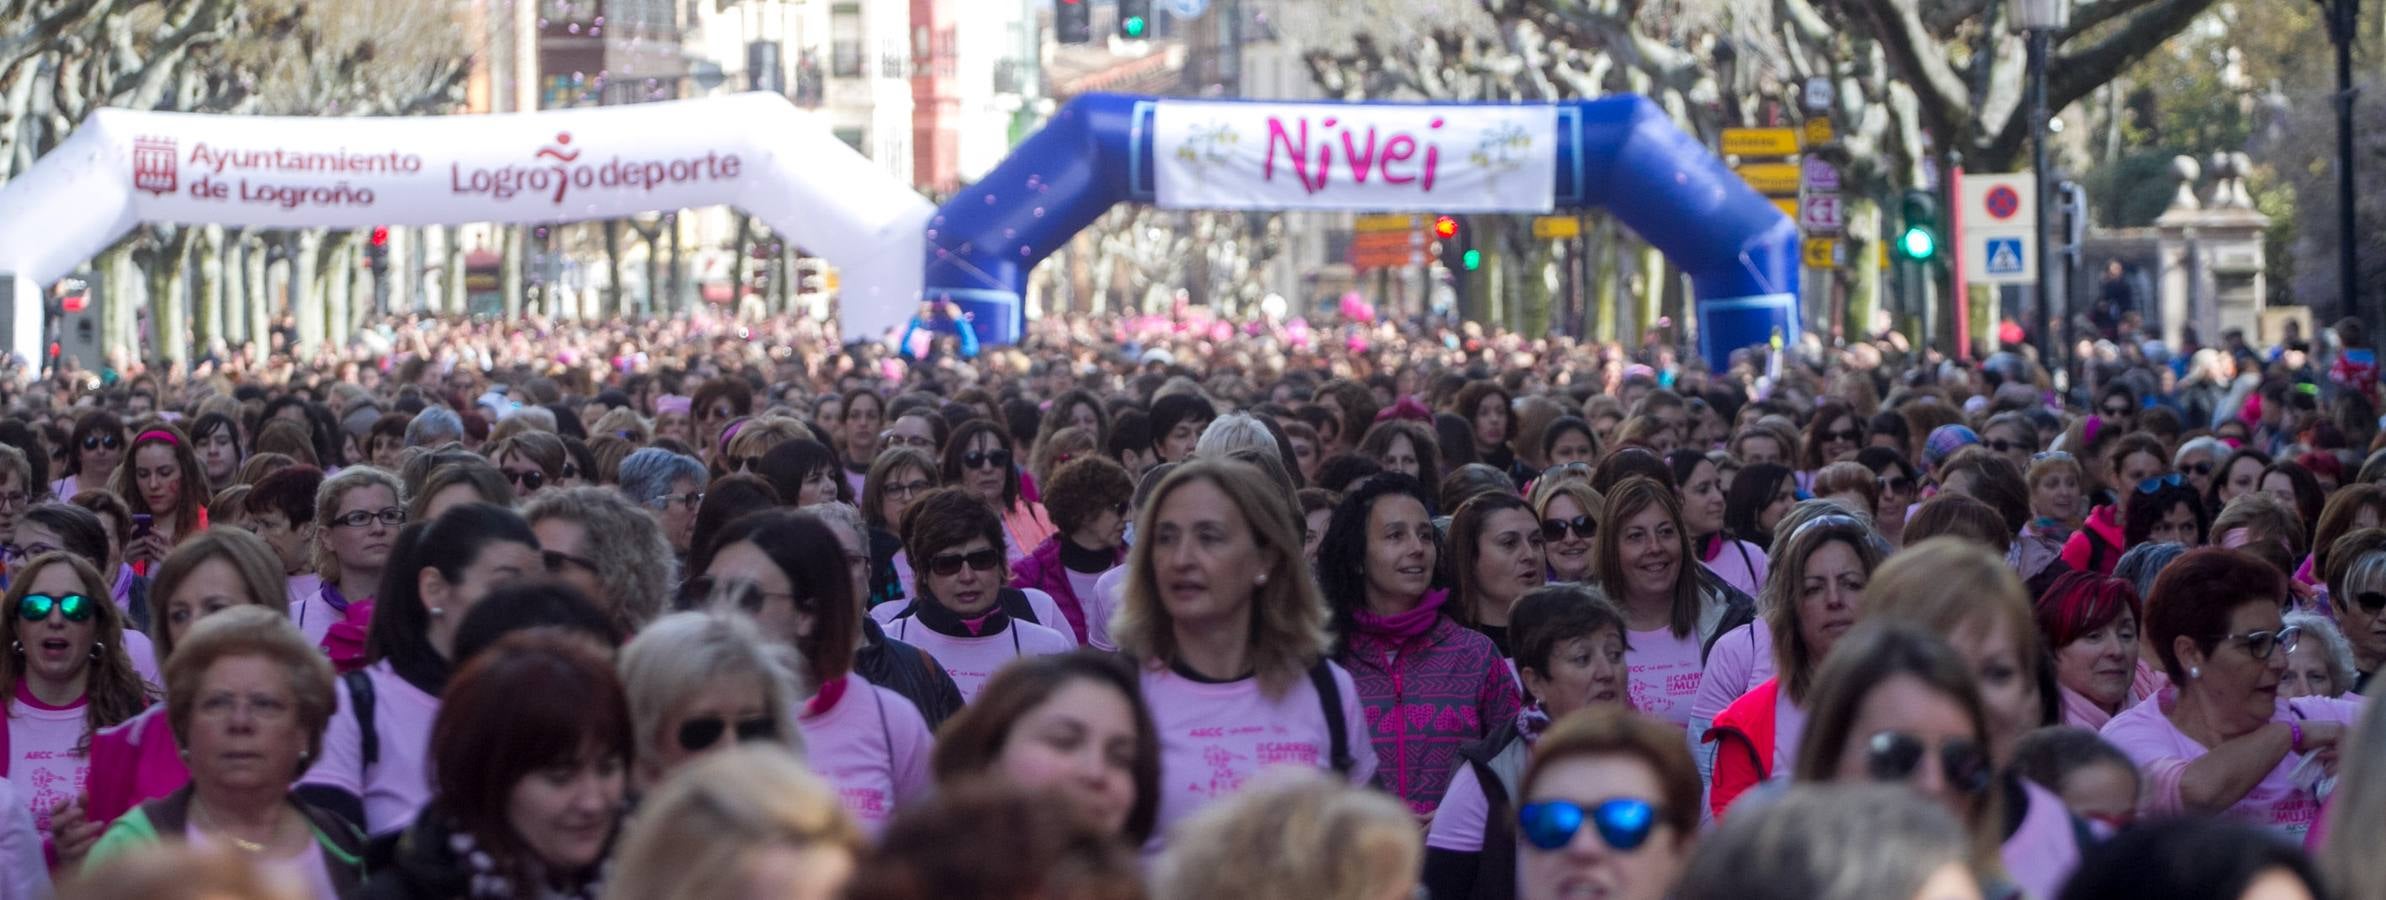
1445 228
1073 21
1919 242
1135 19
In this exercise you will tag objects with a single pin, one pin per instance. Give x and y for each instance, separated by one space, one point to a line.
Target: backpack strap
1329 700
360 699
1014 603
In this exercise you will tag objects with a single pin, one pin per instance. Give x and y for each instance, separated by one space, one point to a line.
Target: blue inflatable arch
1620 153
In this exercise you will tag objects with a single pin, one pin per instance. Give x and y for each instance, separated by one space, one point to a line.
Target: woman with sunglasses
597 542
964 615
669 484
1497 553
698 682
371 770
900 476
1811 599
1675 608
161 484
1833 435
357 518
1901 489
532 461
1088 500
2356 580
96 448
980 461
887 662
1570 655
2221 741
216 440
66 676
1975 600
1440 684
1569 512
1608 808
792 577
531 750
1699 488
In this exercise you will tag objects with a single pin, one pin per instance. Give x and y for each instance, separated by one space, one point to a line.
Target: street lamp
2343 17
2038 20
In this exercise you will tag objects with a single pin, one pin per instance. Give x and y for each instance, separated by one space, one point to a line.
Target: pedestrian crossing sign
2004 256
1999 258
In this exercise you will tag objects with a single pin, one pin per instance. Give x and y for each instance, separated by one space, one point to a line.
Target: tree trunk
236 289
1863 264
306 262
211 290
511 266
117 279
339 279
253 259
451 288
737 265
680 301
1607 256
1652 292
169 302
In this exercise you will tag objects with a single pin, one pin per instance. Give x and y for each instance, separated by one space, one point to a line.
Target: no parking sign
1999 217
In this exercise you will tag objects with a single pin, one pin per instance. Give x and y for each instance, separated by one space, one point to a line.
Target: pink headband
164 436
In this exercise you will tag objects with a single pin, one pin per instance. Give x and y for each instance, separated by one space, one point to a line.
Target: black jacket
909 671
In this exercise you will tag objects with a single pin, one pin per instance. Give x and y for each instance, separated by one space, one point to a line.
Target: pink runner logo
155 165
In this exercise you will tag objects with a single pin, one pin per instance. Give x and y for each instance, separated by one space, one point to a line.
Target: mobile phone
141 524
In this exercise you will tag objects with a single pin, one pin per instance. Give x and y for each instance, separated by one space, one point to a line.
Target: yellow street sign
1760 142
1788 207
1551 228
1818 132
1384 222
1771 179
1822 253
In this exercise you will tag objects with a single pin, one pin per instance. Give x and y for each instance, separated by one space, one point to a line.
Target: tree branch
1915 53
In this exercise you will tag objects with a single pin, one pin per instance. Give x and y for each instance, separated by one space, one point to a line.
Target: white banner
753 151
1285 156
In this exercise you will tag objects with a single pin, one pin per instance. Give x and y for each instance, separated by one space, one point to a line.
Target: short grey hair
840 515
434 426
680 654
1232 432
646 474
2204 444
633 558
2323 633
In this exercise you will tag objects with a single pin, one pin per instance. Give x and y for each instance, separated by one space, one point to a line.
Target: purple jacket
1426 698
1041 569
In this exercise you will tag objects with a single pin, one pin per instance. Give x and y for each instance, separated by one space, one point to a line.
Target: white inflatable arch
756 152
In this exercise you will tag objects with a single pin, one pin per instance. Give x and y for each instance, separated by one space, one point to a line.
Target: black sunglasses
2199 469
995 458
950 563
96 441
1896 755
1897 484
2001 445
528 481
697 734
1584 527
1847 434
2371 602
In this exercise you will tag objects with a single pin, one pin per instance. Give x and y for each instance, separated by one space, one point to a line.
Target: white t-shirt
43 763
972 660
398 786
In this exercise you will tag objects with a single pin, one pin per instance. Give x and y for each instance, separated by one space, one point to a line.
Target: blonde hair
758 436
1288 628
1296 835
332 493
696 837
678 655
624 423
251 558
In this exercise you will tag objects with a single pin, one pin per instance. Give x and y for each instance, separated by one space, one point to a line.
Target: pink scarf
1406 625
345 642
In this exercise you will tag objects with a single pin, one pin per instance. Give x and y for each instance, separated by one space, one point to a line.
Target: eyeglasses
950 563
2259 644
996 458
891 439
557 559
2158 482
2001 445
14 499
2371 602
37 607
905 490
1897 484
704 590
528 481
1584 527
691 499
96 441
1624 823
22 552
390 516
1896 756
697 734
263 709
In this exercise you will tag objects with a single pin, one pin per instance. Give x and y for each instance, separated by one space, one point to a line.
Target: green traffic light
1918 244
1133 26
1472 260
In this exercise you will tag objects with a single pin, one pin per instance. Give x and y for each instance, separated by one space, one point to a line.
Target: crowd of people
1182 607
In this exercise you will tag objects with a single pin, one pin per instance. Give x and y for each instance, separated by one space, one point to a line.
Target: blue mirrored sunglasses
1624 823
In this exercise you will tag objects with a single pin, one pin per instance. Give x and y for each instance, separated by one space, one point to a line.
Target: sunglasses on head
2158 482
1896 756
698 734
96 441
2260 644
1584 527
528 481
996 458
1624 823
950 563
37 607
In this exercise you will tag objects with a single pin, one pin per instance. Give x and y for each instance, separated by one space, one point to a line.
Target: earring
17 647
438 611
2194 672
1262 580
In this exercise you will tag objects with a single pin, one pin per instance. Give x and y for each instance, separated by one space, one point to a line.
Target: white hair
1232 432
680 654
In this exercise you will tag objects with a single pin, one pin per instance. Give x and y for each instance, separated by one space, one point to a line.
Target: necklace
208 824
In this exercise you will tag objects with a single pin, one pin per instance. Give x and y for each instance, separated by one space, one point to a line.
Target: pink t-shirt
2041 854
1215 737
43 764
397 786
1741 660
1740 564
874 746
143 655
1100 605
1458 822
1665 673
972 660
2162 753
313 617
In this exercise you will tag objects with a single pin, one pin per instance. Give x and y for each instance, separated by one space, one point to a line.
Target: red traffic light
1445 227
380 237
